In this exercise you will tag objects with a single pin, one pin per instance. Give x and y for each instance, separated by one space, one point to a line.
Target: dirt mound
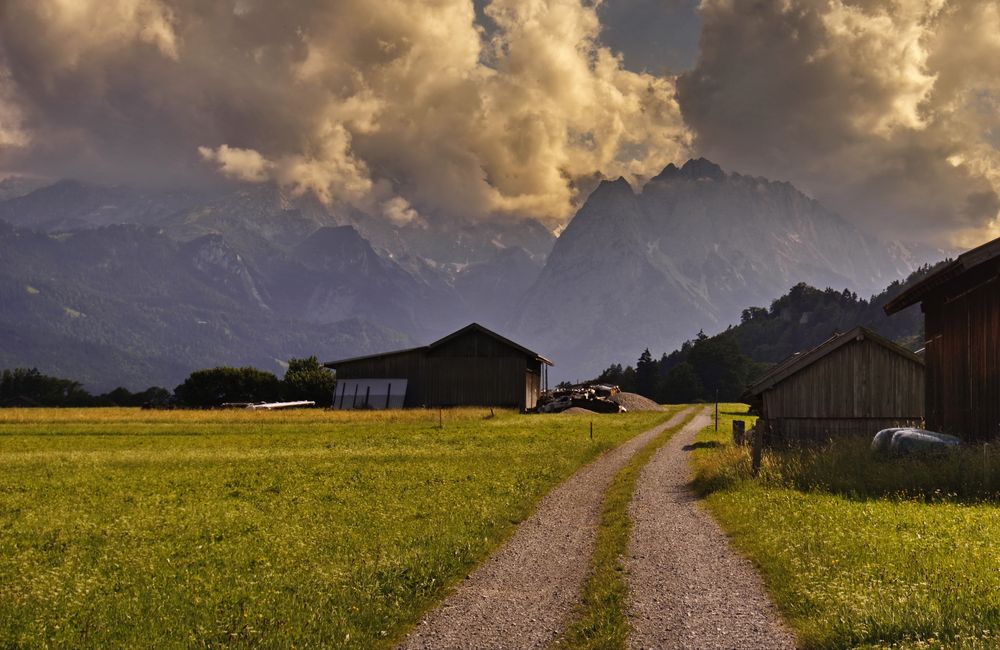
636 402
579 410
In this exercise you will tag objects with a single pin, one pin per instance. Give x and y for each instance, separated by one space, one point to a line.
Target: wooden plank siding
473 369
856 389
962 326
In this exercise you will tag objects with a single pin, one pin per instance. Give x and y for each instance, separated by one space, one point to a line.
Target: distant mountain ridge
118 285
687 252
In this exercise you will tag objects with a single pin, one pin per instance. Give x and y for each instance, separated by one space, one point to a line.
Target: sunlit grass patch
851 567
149 529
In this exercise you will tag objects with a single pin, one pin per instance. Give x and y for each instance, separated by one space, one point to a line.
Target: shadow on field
848 468
712 444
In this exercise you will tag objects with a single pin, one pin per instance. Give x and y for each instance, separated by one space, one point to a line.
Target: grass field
862 557
175 529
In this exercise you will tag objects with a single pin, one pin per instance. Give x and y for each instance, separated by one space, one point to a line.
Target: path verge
687 587
522 595
601 620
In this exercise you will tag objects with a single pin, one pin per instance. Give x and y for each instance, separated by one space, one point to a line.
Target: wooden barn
471 367
854 383
961 306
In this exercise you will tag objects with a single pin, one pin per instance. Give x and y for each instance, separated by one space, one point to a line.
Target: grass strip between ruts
601 620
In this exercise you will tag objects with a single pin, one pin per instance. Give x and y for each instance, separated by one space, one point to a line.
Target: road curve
522 596
687 587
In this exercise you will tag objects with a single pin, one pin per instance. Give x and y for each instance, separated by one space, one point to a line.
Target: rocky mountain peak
610 188
650 269
694 169
699 168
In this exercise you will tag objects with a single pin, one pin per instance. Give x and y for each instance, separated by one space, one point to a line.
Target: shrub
216 386
29 387
306 379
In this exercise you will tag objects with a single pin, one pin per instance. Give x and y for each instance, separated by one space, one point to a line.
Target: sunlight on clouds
882 109
887 110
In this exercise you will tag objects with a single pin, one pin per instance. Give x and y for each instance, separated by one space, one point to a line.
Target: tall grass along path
522 596
687 587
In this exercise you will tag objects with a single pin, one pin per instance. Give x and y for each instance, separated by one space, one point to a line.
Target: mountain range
127 286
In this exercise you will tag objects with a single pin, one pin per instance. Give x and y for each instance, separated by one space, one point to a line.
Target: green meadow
863 553
133 528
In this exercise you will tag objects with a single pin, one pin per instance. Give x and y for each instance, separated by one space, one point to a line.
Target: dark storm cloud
660 36
882 109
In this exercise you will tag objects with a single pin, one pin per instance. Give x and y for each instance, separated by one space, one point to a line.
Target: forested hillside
797 321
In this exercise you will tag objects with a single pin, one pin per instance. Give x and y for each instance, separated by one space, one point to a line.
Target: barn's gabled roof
949 271
334 364
476 327
472 327
801 360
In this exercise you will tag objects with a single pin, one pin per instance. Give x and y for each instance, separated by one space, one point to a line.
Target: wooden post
591 429
986 466
440 418
757 446
716 410
739 430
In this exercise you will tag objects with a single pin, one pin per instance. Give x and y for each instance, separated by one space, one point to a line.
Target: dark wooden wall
471 370
962 329
857 389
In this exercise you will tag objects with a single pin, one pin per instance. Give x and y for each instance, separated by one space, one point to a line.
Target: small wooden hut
961 306
471 367
854 383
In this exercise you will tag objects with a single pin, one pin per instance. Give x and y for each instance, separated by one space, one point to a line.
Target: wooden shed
961 306
854 383
471 367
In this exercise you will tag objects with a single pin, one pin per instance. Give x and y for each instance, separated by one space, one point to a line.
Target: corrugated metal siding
962 323
853 390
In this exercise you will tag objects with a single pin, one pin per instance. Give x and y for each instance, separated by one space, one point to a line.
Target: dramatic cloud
885 109
11 134
397 107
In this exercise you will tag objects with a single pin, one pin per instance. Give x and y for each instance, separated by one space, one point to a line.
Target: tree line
305 379
703 369
723 365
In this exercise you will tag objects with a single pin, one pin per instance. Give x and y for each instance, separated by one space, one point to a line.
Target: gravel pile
579 410
636 402
521 596
687 587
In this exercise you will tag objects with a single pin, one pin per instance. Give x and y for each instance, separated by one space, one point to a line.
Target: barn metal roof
800 360
948 271
470 327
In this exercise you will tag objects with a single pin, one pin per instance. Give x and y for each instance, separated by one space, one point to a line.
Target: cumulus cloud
376 105
884 109
398 211
11 132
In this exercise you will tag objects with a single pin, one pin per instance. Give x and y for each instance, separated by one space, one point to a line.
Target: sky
887 111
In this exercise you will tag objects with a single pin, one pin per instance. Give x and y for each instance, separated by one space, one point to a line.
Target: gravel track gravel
687 587
636 402
522 596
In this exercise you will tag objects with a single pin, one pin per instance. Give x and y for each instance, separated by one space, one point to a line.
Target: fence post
739 430
986 467
757 445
